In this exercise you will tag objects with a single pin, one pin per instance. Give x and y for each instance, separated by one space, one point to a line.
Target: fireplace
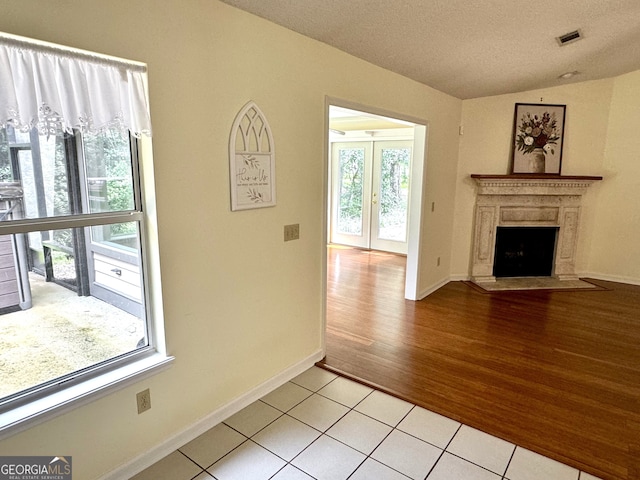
524 251
538 203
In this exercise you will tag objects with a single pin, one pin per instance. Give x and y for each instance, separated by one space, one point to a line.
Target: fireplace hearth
543 203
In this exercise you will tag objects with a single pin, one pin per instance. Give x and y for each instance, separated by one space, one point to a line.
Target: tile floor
325 427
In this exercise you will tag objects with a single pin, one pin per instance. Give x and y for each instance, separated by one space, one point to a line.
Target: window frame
44 401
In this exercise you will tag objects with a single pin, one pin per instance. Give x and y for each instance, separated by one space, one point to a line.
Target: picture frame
538 138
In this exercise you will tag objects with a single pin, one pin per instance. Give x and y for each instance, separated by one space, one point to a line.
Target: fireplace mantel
523 184
527 200
534 176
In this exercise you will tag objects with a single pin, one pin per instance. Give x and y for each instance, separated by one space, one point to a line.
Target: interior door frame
418 169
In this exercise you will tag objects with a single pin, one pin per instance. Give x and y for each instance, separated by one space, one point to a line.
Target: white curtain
55 89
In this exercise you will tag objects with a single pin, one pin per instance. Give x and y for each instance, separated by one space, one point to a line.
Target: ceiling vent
569 37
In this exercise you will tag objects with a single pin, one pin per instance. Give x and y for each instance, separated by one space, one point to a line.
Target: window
74 282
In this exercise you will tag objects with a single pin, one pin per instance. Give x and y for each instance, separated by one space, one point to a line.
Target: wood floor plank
555 372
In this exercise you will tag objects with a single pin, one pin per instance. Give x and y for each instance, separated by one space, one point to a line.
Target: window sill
62 401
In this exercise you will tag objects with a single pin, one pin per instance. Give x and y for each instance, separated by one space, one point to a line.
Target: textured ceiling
471 48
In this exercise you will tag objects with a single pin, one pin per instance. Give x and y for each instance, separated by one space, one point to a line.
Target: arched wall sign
252 163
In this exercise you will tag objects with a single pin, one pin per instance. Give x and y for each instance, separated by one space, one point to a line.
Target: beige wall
600 139
240 304
615 248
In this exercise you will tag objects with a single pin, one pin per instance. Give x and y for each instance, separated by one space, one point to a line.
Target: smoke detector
570 37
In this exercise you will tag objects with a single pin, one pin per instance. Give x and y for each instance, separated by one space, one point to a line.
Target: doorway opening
374 182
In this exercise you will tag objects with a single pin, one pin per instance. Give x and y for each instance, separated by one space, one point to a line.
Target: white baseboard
459 278
158 452
429 290
451 278
611 278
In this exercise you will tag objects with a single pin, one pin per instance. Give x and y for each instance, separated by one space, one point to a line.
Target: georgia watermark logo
35 468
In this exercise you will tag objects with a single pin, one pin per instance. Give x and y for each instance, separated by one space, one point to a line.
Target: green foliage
392 195
351 190
107 165
394 180
61 192
394 188
108 158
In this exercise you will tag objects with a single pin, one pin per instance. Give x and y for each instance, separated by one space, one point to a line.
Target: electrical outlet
291 232
144 400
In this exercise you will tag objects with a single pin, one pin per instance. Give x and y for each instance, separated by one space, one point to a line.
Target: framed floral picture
537 138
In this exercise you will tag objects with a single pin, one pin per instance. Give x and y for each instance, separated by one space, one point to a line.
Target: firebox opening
524 251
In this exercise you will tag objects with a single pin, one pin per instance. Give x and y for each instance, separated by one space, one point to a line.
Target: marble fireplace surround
527 200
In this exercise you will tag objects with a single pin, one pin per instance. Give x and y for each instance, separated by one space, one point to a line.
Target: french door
369 194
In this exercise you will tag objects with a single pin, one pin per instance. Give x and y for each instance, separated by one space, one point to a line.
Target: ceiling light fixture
568 75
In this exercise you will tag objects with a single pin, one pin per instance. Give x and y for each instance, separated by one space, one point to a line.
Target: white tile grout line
367 456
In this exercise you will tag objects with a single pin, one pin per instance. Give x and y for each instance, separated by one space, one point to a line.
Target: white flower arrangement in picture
538 132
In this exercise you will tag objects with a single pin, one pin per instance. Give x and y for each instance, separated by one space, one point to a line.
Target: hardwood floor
555 372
